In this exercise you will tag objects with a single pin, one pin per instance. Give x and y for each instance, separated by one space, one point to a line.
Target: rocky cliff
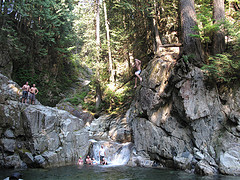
177 119
36 135
180 120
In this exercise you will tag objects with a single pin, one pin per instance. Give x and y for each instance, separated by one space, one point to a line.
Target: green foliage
38 35
77 99
205 27
117 101
222 68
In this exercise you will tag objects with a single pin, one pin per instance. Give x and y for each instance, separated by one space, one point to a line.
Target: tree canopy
51 42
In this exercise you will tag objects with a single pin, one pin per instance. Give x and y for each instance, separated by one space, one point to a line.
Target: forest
57 43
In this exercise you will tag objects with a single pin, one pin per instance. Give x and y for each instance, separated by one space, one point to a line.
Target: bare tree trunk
98 94
218 37
158 42
191 45
97 24
98 85
109 45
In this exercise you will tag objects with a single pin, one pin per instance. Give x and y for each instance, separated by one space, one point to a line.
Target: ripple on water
99 172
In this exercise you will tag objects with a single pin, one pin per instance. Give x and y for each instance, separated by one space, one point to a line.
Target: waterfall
116 153
122 157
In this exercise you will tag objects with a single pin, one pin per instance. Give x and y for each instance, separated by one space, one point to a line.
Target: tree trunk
98 94
219 36
158 42
97 24
111 71
98 86
191 45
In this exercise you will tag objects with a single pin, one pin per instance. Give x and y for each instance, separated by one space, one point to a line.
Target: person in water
104 161
15 176
88 160
137 65
94 162
102 153
80 161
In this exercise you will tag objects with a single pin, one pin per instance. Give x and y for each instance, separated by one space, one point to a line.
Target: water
117 154
100 172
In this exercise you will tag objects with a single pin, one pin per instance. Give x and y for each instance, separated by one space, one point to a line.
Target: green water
109 173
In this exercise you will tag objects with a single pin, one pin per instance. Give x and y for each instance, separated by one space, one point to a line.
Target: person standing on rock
137 65
34 92
25 89
102 154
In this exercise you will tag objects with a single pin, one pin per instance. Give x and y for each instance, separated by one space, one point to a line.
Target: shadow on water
100 172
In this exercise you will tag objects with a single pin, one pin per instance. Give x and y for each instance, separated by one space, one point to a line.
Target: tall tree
191 45
108 44
219 36
98 86
157 39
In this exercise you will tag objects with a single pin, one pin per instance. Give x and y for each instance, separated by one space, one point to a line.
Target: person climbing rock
137 65
25 89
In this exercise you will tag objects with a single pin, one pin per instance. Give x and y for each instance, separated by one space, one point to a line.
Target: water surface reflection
99 172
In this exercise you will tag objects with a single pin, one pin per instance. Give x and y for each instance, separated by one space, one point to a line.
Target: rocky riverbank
177 119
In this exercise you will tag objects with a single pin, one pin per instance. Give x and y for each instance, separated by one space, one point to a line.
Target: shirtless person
137 64
80 161
25 89
88 160
33 92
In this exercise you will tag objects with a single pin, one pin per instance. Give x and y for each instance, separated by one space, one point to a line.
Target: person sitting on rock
88 160
104 161
94 162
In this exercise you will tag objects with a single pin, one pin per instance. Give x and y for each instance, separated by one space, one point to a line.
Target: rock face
36 135
179 120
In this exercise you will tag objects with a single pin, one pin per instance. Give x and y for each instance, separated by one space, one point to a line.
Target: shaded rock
9 134
115 128
183 162
181 120
203 168
9 145
14 161
27 157
46 132
39 161
230 161
76 111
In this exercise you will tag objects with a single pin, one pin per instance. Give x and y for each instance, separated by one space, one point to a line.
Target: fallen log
171 45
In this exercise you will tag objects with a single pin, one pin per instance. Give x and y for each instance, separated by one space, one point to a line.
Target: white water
116 154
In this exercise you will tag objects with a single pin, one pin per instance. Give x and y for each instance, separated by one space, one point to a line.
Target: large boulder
180 120
36 135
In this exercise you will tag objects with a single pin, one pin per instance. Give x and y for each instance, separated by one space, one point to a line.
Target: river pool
99 172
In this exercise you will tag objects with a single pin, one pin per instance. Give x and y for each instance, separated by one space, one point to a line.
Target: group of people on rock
93 161
29 92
